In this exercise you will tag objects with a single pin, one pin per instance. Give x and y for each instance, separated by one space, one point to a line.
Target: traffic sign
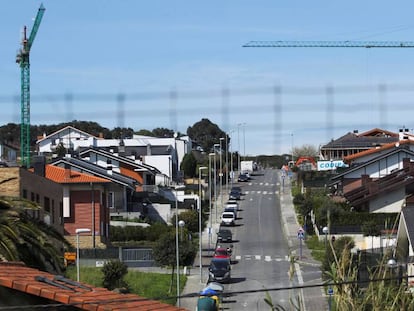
301 234
330 291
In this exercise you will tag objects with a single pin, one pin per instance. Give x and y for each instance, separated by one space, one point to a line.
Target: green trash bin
207 304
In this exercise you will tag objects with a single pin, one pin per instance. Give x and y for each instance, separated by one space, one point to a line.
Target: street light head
391 263
221 138
211 154
181 223
202 168
82 230
325 230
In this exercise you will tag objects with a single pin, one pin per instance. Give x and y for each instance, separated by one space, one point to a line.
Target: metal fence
132 257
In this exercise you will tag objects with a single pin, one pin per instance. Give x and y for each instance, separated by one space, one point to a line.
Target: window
24 194
111 200
47 205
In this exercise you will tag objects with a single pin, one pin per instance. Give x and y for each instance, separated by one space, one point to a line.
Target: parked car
228 219
222 252
243 178
231 209
232 203
224 235
234 195
219 270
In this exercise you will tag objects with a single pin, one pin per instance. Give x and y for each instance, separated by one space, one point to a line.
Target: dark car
219 270
224 235
243 178
234 195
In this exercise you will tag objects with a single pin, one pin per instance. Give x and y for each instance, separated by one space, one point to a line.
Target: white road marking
238 257
257 257
268 258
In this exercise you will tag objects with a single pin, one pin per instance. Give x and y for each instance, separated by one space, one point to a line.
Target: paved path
313 298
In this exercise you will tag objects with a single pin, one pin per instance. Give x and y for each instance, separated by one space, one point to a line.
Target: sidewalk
313 298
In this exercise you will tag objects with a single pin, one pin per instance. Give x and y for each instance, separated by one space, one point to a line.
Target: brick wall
18 182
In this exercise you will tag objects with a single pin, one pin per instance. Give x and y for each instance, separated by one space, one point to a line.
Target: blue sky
148 64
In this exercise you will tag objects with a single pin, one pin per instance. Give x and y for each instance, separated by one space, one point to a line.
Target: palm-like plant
23 238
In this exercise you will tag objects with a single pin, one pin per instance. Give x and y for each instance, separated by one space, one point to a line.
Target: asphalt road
260 249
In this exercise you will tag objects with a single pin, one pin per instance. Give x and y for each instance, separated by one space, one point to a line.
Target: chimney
365 179
39 165
67 173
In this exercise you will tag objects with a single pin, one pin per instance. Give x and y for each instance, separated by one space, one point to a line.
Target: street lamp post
221 171
227 163
181 224
244 142
210 191
177 252
325 231
215 180
78 232
199 221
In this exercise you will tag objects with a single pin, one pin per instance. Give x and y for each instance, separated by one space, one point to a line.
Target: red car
222 252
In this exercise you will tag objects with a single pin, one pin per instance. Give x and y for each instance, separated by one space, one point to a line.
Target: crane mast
23 60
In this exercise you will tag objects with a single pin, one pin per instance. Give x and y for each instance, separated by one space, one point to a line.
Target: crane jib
332 44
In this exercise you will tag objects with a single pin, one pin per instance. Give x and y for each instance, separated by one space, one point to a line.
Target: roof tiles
17 276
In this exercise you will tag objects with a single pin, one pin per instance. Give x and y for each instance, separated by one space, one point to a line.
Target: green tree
144 132
60 150
113 274
206 134
24 238
305 151
189 165
164 252
162 132
190 219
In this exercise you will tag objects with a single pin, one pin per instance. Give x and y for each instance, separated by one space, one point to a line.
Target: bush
113 272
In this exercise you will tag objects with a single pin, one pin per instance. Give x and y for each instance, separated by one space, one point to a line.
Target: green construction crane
22 59
329 44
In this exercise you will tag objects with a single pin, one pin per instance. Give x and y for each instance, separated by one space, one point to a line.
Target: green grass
317 247
145 284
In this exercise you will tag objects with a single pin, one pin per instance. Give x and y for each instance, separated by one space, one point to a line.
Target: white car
228 219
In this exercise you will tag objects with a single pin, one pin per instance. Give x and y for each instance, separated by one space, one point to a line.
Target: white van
228 219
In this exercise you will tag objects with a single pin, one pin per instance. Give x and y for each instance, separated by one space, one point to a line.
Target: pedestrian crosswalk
261 192
266 258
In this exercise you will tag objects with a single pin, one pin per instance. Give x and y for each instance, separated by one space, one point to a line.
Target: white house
166 154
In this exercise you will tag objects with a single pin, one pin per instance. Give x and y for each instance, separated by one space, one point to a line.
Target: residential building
355 142
120 190
146 175
373 165
165 154
85 200
19 182
8 154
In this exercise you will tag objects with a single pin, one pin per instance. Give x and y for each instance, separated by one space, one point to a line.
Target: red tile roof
352 157
65 176
17 276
